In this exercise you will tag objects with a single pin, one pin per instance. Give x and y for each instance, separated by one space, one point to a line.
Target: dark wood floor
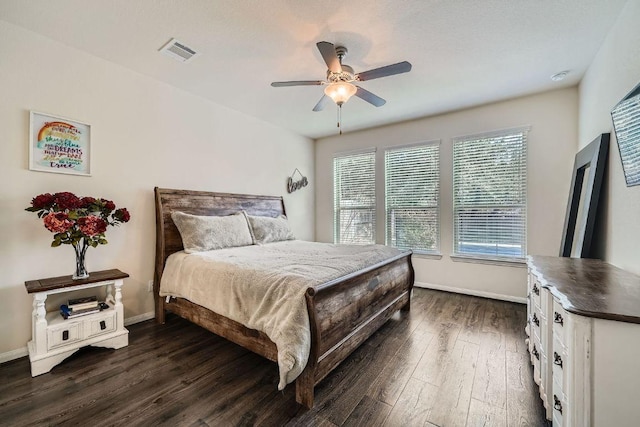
454 360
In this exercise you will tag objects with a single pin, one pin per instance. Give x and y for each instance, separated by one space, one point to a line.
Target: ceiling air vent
178 51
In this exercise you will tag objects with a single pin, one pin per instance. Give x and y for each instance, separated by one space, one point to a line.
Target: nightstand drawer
101 324
63 335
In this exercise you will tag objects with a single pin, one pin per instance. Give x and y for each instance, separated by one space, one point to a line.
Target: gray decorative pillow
206 233
266 229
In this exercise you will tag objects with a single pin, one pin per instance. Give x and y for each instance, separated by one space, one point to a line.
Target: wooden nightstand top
51 283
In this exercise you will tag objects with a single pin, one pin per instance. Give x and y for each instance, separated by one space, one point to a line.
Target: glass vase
80 249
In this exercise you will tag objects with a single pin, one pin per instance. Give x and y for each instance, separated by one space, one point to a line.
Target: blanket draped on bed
263 287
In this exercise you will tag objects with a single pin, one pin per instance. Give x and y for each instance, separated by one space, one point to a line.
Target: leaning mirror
588 172
626 124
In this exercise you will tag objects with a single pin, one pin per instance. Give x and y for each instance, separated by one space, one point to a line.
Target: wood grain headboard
168 240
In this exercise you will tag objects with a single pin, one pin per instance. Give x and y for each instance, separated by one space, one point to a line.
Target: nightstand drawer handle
536 320
535 352
557 318
65 335
557 404
557 359
536 290
103 325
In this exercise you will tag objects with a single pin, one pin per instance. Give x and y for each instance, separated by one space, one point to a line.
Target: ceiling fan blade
322 103
298 83
389 70
328 52
370 97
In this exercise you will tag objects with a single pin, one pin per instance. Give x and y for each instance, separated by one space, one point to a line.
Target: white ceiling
464 52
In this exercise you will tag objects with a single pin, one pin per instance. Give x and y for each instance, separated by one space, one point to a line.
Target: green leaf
55 243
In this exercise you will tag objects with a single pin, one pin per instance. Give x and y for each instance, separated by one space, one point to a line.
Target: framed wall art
59 145
626 124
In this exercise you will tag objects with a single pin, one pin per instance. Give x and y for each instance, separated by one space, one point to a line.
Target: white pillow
266 229
206 233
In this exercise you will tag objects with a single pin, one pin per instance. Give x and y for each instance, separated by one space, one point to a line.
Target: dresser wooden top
590 287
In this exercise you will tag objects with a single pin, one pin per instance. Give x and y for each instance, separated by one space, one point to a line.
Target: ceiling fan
339 85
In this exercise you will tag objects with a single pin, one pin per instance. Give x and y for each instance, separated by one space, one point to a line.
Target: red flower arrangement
77 221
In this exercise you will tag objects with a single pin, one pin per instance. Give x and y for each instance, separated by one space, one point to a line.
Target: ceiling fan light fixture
340 92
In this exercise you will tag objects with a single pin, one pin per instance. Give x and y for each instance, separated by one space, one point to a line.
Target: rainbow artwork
59 145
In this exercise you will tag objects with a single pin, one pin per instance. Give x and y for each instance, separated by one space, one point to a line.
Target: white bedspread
263 287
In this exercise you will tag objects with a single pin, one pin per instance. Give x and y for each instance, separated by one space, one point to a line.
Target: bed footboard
345 312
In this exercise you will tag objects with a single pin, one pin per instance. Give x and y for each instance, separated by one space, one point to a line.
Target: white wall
144 134
613 73
552 145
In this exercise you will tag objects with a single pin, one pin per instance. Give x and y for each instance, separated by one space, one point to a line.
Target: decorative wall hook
296 185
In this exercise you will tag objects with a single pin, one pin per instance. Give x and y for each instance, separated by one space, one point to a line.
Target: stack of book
80 307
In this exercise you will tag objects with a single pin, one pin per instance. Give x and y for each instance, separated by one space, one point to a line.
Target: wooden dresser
584 340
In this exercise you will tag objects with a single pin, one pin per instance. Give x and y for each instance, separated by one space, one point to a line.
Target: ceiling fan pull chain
340 118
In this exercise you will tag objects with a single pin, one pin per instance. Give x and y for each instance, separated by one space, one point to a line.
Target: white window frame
337 200
458 205
388 208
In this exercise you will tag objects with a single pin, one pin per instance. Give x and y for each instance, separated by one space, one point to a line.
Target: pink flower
92 225
57 222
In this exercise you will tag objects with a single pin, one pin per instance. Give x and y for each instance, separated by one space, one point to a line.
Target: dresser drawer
559 318
101 324
536 290
560 364
65 334
536 322
559 406
536 357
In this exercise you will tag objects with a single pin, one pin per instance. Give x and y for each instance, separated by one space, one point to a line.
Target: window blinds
354 198
412 197
490 195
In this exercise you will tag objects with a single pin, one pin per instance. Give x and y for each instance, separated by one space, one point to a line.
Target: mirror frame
594 157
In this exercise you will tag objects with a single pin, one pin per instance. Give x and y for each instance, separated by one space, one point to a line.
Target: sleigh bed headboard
168 240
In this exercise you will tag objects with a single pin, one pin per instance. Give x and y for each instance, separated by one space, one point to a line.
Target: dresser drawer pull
535 352
65 335
103 325
557 359
557 404
557 318
536 320
536 290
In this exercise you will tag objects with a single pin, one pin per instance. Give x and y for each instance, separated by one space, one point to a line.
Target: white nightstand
54 338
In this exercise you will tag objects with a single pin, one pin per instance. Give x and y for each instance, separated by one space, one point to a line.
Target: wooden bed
343 313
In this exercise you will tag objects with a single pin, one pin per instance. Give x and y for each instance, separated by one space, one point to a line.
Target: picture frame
59 145
626 125
584 194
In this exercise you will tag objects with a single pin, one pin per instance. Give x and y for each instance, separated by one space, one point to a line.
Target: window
354 198
412 197
490 195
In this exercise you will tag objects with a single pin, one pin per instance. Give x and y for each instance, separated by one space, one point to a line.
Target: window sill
514 262
427 255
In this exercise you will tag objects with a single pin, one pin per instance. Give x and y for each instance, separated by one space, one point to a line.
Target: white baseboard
139 318
473 292
14 354
22 352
